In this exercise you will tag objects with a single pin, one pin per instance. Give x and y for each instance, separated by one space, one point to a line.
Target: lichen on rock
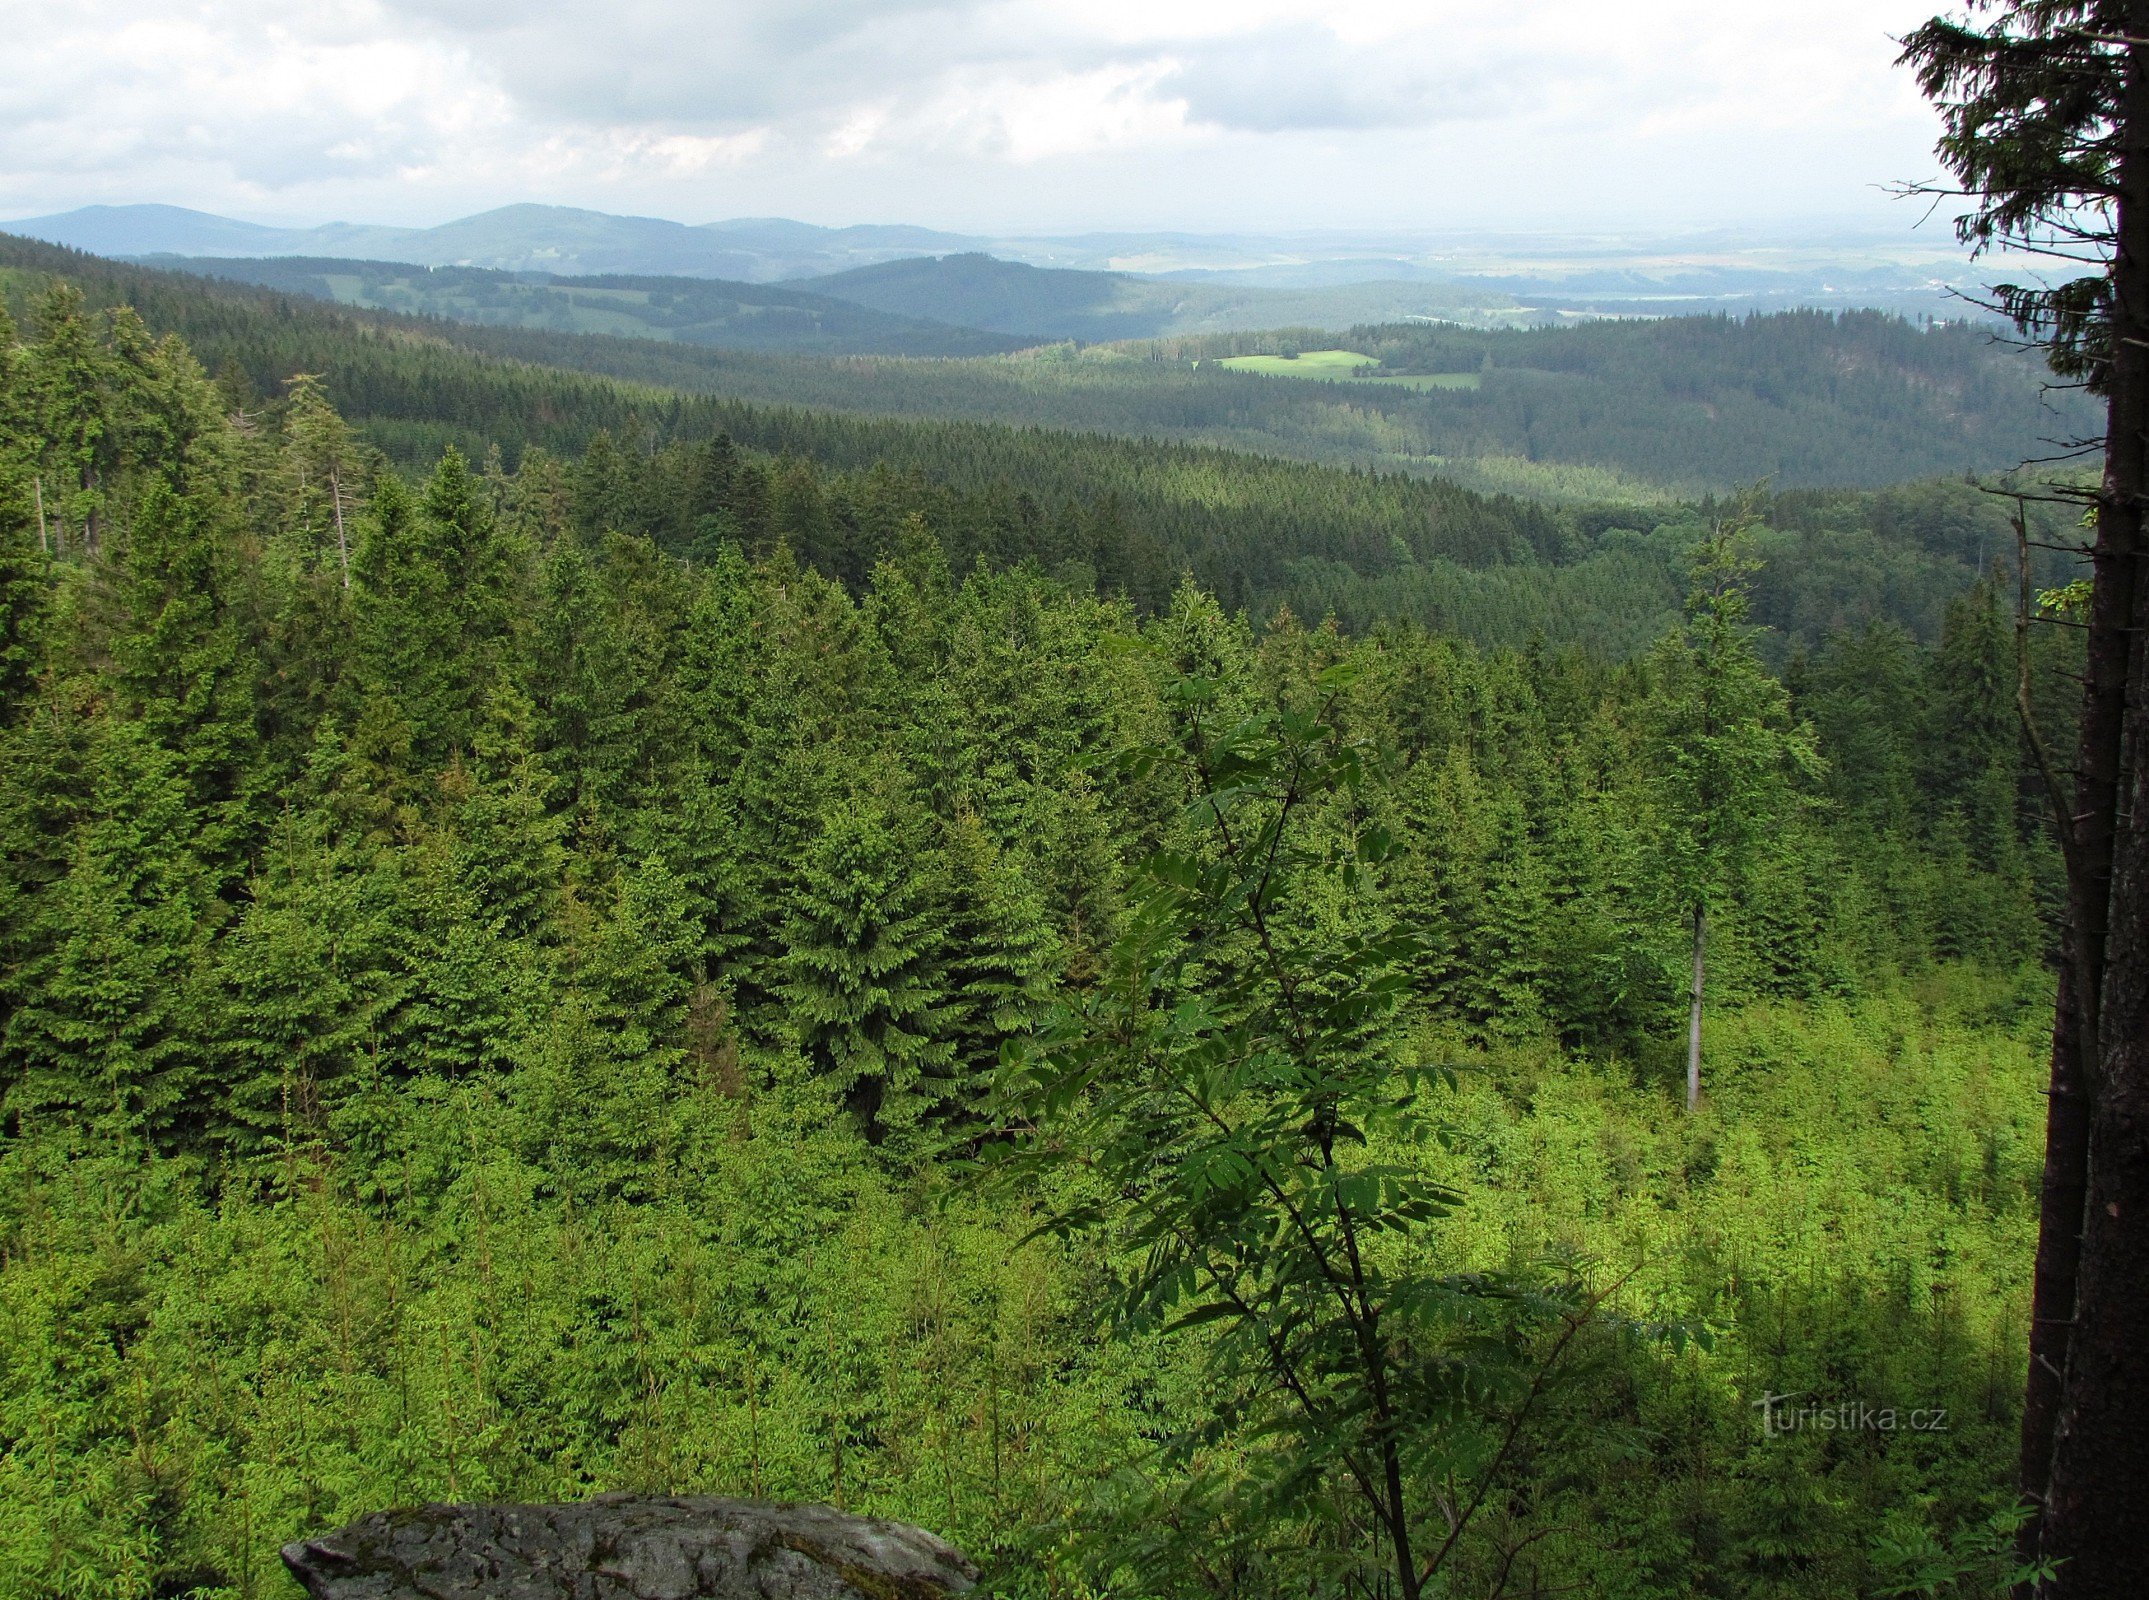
629 1547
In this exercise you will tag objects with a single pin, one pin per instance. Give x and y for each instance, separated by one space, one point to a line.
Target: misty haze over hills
1477 276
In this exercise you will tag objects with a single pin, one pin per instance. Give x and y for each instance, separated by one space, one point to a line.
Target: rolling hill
695 311
936 435
1225 281
1014 297
1632 411
516 238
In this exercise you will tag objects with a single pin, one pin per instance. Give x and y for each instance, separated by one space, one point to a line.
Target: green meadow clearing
1342 366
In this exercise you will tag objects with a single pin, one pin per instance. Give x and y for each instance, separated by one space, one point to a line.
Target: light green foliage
445 1026
1346 366
1218 1097
1149 466
864 974
1726 751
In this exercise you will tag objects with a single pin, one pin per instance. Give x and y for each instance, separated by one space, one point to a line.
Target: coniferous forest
698 948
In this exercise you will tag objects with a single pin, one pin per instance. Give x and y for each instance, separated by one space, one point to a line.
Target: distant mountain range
697 311
967 304
521 238
1471 277
1611 411
1058 302
1013 297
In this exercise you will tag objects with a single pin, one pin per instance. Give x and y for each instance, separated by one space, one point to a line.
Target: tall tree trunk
2066 1172
2097 1506
2059 1240
2095 1517
1693 1012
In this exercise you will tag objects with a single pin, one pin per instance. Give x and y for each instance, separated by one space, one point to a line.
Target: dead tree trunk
343 543
1693 1012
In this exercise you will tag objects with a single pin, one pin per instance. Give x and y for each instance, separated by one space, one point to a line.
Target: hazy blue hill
515 238
565 239
1138 285
695 311
781 233
1628 411
143 230
1079 303
980 291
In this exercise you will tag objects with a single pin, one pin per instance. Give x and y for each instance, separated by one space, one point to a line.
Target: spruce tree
183 666
406 635
24 540
112 1005
301 979
864 969
1001 954
1724 750
323 470
70 375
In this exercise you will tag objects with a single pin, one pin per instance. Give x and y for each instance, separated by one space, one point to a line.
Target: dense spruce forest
1130 513
1656 408
529 908
695 311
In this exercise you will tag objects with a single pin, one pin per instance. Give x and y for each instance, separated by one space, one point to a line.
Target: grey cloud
288 156
1304 77
706 66
690 64
273 152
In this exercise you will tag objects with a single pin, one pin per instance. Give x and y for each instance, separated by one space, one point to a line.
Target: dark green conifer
864 969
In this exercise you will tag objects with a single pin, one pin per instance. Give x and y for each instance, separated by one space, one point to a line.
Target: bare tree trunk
2095 1515
1693 1014
343 545
2066 1170
44 539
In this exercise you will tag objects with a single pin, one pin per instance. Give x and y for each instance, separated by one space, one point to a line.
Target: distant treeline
491 959
1129 514
694 311
1803 398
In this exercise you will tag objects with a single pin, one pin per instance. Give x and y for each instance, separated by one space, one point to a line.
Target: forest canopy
1134 513
1616 408
506 956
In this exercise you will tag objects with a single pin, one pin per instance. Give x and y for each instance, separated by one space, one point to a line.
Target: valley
839 889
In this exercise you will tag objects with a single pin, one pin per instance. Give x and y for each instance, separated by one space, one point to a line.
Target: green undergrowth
197 1366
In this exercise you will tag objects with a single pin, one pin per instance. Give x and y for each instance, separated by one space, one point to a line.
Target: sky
977 115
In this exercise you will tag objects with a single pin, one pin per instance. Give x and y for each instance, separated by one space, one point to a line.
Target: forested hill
487 997
1656 408
1804 398
982 291
697 311
1140 513
1130 515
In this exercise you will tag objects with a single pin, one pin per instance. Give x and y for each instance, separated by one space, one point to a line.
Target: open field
1341 366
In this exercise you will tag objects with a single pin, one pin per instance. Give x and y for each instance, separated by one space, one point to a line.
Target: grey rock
629 1547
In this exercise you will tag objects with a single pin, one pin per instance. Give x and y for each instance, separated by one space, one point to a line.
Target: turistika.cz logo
1779 1416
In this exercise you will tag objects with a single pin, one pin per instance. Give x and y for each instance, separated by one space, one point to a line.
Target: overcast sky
985 115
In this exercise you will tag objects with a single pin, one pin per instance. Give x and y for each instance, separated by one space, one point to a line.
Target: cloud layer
968 113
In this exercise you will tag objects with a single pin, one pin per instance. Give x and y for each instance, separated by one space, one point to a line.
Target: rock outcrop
629 1547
